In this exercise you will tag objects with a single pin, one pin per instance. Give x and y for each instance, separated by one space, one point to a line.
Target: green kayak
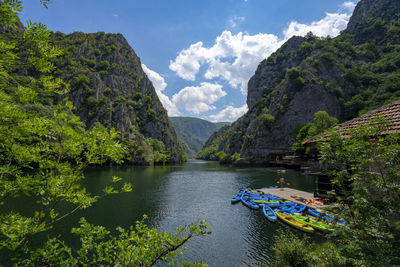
312 222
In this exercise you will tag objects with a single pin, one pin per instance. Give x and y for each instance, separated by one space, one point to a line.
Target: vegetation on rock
322 122
345 76
44 150
107 85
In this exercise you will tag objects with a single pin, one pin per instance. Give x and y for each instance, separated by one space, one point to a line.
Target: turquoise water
173 196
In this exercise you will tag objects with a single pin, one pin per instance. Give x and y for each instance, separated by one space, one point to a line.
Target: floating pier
287 194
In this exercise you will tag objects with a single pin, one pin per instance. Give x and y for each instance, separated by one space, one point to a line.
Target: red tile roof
390 112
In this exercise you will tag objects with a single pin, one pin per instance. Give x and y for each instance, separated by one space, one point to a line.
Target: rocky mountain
108 86
194 132
345 76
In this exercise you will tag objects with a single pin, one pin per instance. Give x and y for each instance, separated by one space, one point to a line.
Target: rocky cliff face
367 11
108 85
345 76
272 70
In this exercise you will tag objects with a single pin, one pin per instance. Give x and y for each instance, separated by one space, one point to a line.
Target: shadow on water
173 196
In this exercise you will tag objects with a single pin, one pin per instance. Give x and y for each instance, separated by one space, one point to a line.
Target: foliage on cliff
108 86
345 76
44 151
322 122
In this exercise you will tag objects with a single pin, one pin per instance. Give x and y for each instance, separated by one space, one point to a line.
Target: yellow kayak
295 223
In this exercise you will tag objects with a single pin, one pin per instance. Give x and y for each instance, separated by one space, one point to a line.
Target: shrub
293 73
392 82
83 81
152 113
88 62
221 155
148 100
328 56
267 118
137 96
107 91
352 76
235 157
103 65
91 101
120 99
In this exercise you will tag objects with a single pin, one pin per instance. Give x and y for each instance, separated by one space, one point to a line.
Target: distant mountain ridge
194 132
344 76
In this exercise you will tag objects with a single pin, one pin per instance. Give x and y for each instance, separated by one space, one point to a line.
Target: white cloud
229 113
234 58
331 25
198 99
157 80
187 63
233 22
349 6
160 84
168 105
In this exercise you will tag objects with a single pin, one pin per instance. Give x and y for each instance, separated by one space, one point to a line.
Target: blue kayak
238 196
298 208
276 204
269 213
248 203
236 199
314 212
287 206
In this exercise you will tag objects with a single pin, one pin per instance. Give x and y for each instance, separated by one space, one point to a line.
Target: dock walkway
288 192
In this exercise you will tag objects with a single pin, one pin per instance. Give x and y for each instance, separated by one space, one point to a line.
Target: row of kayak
293 214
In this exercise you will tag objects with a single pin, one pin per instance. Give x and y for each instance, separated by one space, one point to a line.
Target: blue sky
199 54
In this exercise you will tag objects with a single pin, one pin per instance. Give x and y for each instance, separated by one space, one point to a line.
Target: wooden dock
288 192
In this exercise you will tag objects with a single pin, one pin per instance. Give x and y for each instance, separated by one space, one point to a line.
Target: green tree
291 250
368 192
235 157
158 154
221 155
44 150
322 121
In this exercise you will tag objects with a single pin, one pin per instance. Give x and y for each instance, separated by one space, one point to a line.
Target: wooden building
390 112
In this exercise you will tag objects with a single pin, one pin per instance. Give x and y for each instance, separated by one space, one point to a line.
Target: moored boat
294 223
238 196
236 199
269 213
298 208
248 203
286 207
313 223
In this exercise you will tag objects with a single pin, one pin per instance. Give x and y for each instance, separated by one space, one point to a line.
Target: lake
173 196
